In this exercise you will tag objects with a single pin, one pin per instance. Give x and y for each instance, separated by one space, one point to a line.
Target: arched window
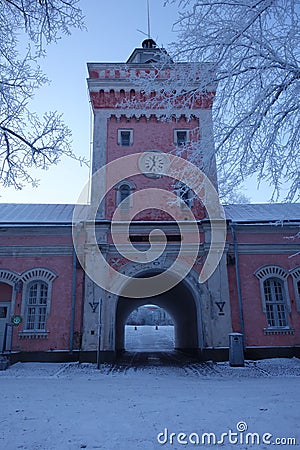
275 299
124 191
296 279
36 306
36 301
275 303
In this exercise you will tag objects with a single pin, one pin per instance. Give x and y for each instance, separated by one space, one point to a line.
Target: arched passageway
179 304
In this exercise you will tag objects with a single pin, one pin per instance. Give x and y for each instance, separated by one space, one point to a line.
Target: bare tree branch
254 49
25 140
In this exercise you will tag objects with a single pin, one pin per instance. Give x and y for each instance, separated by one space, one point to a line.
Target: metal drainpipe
238 280
73 301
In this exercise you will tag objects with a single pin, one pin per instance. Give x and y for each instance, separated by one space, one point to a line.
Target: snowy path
148 338
73 406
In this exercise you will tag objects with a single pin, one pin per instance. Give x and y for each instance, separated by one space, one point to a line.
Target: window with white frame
296 279
36 306
181 137
275 298
125 137
36 300
275 303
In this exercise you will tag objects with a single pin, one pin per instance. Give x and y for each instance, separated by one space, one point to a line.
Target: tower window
124 195
181 137
125 138
124 190
184 194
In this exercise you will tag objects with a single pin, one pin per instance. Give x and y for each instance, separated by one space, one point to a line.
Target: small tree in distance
26 140
253 47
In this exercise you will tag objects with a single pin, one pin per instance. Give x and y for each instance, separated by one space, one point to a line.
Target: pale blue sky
111 36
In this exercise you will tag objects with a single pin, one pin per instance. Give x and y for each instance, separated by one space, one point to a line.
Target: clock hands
153 164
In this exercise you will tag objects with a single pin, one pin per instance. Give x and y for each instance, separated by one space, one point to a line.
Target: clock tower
134 113
148 111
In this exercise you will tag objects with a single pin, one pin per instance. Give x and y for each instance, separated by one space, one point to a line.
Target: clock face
153 164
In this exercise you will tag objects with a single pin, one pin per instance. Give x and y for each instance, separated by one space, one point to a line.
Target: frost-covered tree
231 194
253 47
26 140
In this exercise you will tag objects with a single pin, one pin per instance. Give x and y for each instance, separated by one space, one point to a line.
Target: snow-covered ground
148 338
72 406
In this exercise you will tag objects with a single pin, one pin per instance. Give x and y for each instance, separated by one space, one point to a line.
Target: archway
180 304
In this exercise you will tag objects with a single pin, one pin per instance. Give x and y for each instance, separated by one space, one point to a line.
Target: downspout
238 281
74 281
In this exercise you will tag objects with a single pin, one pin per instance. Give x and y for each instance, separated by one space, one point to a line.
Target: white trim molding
271 271
9 277
39 274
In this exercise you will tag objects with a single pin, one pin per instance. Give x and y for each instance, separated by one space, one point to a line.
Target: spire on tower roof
150 52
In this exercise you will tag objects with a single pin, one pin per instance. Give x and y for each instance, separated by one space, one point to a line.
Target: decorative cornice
47 250
266 249
159 114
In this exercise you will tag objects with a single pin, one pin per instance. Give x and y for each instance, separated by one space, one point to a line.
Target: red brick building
254 289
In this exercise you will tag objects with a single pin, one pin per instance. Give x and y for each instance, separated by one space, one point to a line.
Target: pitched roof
35 213
61 214
263 212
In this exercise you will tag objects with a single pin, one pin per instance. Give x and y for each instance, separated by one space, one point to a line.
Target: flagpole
148 15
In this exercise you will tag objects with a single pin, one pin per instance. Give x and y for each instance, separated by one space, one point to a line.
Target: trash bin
236 350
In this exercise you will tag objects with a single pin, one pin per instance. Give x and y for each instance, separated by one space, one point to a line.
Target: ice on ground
149 338
277 367
72 406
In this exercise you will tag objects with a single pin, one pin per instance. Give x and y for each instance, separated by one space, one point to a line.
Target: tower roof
148 53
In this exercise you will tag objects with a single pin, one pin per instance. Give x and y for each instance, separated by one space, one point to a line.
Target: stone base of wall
251 353
272 352
51 356
214 354
207 354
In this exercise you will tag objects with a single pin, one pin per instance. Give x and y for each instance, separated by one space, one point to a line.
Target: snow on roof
29 213
263 212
